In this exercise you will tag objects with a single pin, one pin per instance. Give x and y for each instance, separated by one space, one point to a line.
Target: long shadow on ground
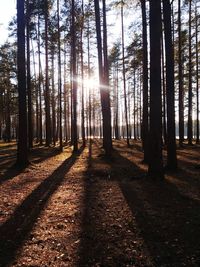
16 229
104 239
37 155
168 220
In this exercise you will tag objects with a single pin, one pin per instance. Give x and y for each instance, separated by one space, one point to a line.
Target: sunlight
90 83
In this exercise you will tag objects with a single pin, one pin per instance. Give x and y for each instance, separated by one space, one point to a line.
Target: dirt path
81 210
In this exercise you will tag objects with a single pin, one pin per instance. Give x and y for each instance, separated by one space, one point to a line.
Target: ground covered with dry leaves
84 210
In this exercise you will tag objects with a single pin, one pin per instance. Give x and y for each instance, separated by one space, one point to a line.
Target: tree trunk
104 90
189 129
59 77
82 78
155 169
74 82
197 75
47 94
163 93
28 78
53 102
145 127
22 145
169 52
39 83
107 115
124 73
180 79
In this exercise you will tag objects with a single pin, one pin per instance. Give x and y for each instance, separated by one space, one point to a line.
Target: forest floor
83 210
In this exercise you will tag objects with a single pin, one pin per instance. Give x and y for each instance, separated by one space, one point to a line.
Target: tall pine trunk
145 122
74 79
169 52
59 77
180 79
190 123
82 78
47 93
124 74
197 75
155 169
22 145
104 90
28 78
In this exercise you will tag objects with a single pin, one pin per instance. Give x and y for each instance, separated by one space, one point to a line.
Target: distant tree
114 58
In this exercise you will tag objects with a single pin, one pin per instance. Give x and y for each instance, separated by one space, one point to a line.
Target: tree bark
22 145
169 54
145 120
104 90
155 169
180 79
74 81
47 94
190 123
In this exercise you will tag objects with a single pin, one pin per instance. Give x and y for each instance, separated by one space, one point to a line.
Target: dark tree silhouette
155 169
22 148
169 52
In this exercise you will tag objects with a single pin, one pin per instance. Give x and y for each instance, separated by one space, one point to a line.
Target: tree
189 129
124 72
82 77
74 78
180 79
169 52
155 169
47 94
197 72
104 90
59 76
145 122
30 120
22 145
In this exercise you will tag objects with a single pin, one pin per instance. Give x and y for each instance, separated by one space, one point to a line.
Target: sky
7 11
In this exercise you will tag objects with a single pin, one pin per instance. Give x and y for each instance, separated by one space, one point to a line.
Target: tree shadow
15 230
37 155
169 220
100 243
